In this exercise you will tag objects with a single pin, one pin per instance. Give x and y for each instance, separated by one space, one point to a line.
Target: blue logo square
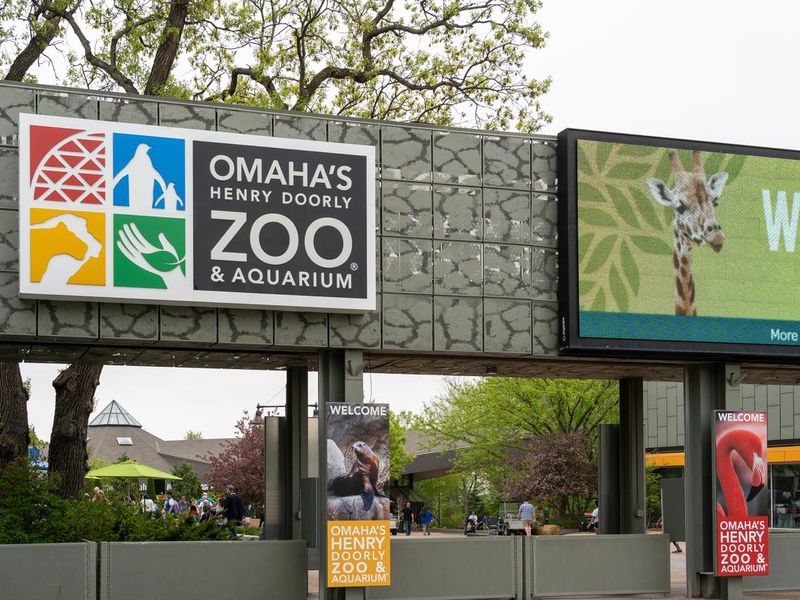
149 172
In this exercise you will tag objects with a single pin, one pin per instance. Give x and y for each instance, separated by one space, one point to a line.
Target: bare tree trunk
75 387
168 48
561 507
31 53
14 436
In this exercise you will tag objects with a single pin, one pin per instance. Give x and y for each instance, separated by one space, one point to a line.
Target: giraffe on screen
694 200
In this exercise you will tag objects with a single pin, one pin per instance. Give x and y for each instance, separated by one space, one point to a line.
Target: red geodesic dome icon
67 165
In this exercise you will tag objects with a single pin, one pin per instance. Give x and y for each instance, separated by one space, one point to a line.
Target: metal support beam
277 479
341 379
704 392
297 418
608 478
631 457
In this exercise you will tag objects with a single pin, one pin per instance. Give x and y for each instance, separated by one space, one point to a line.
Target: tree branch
121 79
36 46
268 83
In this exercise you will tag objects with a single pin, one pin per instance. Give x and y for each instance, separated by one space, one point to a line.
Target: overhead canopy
129 469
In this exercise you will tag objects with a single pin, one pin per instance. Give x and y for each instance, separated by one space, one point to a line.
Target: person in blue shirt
527 515
425 518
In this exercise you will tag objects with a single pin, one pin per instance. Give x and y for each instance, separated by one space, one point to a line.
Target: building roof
112 415
114 432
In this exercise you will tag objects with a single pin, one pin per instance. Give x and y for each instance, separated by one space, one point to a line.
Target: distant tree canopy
435 62
241 462
193 435
188 485
533 438
398 425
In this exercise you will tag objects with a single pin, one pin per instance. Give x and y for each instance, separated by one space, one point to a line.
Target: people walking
204 505
234 510
170 505
408 518
425 518
527 515
147 505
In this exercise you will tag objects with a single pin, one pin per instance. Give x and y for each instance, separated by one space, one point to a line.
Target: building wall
664 411
466 230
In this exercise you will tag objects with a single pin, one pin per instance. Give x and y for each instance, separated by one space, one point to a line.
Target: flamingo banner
742 497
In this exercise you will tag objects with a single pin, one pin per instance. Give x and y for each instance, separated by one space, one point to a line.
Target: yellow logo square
67 247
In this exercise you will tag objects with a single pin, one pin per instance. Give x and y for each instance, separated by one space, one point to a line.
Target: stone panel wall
664 411
466 227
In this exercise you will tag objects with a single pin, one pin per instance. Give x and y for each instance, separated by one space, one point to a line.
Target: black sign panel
278 221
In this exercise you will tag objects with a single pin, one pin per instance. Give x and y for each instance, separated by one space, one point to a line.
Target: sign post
358 534
742 500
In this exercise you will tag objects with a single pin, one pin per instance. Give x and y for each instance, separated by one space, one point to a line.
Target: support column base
709 586
725 588
731 588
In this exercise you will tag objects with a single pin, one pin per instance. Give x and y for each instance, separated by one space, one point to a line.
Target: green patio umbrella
129 469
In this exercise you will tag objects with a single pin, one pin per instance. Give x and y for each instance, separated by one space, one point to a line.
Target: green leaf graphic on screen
625 237
149 252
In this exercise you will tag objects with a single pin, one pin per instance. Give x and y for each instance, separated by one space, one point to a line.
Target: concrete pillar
341 379
631 457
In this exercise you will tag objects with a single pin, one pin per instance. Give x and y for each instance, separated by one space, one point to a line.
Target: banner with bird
742 493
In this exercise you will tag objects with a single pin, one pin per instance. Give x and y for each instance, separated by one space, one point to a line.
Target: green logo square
149 252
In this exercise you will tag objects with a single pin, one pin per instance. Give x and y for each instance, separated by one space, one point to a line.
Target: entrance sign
358 495
740 451
114 211
678 246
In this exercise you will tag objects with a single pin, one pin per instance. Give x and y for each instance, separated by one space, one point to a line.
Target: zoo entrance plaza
432 362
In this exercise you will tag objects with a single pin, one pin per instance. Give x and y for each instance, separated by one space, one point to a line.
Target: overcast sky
710 70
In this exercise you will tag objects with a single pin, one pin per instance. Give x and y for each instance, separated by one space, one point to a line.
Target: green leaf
734 167
629 170
599 303
603 152
584 243
583 162
162 260
618 289
596 216
646 206
624 207
713 163
629 267
651 245
636 150
589 192
664 168
600 253
586 286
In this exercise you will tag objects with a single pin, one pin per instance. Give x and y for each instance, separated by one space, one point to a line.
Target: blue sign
149 172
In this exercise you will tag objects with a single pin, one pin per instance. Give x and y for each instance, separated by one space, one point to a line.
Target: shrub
30 512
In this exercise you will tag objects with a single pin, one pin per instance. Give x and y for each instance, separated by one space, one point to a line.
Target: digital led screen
678 246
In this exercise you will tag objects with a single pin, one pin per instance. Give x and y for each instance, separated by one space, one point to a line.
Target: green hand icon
163 261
